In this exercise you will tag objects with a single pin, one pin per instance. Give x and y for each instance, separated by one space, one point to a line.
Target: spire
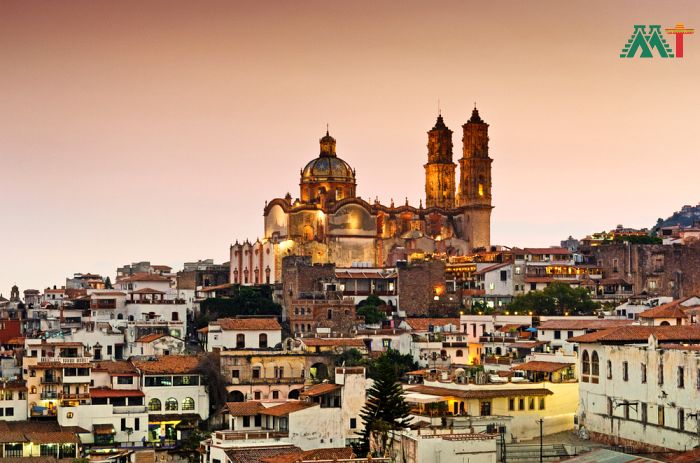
440 123
475 116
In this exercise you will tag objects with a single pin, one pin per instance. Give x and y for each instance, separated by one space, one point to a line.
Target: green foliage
390 360
209 368
555 299
644 239
350 358
245 300
372 309
108 283
385 411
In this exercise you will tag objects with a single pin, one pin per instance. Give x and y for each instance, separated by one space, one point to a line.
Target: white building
557 331
640 386
444 446
13 400
243 333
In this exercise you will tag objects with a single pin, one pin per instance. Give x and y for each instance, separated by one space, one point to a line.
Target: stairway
530 453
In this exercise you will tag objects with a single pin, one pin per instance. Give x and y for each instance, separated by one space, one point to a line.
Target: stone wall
418 285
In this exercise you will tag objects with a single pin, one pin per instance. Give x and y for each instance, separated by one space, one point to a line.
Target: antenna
439 111
326 128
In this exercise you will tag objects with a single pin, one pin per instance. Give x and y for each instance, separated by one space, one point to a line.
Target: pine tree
108 283
385 412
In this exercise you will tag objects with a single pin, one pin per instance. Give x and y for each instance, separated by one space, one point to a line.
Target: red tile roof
422 324
491 268
176 364
287 408
640 333
244 408
329 455
248 324
150 337
575 323
115 367
330 342
321 389
256 454
147 291
557 251
107 392
544 367
495 391
671 309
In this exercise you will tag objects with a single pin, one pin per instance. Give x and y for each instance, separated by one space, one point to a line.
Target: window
386 343
459 353
643 369
681 419
531 403
681 377
353 423
594 365
585 364
275 394
258 421
246 421
257 395
330 314
569 334
188 403
610 407
511 404
661 418
256 373
123 424
154 405
625 371
9 411
262 341
609 367
557 334
504 275
240 341
541 403
521 404
644 413
171 404
661 373
137 424
125 380
235 373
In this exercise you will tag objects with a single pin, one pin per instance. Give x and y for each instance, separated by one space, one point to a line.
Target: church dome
327 167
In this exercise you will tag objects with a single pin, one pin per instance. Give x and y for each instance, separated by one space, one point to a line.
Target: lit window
481 189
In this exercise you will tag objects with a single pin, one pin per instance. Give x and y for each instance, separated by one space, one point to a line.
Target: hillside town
357 331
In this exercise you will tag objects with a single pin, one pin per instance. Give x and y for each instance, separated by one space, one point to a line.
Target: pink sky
157 130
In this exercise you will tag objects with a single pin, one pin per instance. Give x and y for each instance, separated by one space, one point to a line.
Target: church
329 222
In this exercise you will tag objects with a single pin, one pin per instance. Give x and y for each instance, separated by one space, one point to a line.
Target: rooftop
174 364
248 324
639 333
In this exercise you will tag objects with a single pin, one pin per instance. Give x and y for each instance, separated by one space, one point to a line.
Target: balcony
74 396
224 436
50 380
49 395
248 381
103 304
128 409
156 302
65 360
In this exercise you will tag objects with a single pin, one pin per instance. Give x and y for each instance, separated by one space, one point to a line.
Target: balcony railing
47 395
287 380
65 360
73 396
129 409
50 380
156 302
246 435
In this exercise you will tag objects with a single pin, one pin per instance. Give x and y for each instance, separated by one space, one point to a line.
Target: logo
648 42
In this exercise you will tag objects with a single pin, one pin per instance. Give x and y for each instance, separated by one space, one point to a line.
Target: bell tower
475 165
440 170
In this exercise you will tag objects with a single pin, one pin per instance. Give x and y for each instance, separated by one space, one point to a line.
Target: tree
108 283
372 309
385 411
245 300
393 360
556 299
209 368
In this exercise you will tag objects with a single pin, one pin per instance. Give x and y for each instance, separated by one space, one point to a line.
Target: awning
103 429
418 398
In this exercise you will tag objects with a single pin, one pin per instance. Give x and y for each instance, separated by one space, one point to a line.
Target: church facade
330 223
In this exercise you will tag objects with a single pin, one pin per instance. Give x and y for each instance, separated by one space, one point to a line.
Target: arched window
262 341
595 368
120 316
585 363
188 403
154 405
171 404
240 341
460 353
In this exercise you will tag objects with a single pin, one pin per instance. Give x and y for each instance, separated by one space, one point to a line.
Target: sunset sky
151 130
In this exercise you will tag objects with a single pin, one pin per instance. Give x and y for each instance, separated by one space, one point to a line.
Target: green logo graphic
646 42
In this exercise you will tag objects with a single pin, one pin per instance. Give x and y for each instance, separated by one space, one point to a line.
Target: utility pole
541 420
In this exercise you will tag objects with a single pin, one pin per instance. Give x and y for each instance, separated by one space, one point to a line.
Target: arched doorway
318 371
293 394
236 396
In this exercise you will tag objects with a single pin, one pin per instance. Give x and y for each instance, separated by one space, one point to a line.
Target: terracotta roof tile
142 276
177 364
671 309
255 455
150 337
244 408
640 333
115 367
574 323
332 454
147 291
329 342
248 324
287 408
321 389
495 391
557 251
422 324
